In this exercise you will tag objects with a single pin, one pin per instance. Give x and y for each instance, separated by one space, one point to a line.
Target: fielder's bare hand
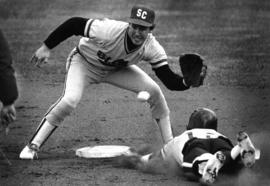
7 116
41 56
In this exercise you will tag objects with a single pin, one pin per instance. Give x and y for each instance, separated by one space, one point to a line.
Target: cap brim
139 22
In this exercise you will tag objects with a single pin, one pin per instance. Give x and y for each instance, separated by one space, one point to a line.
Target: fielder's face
138 33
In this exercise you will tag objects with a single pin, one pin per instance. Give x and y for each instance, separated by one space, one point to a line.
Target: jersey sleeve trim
159 63
87 27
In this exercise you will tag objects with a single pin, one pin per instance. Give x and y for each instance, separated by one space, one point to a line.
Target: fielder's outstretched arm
193 71
72 26
170 79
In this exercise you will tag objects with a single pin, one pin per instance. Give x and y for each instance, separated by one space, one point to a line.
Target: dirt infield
233 37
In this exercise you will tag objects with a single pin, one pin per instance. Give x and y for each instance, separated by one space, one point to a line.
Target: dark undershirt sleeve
8 86
9 91
72 26
171 80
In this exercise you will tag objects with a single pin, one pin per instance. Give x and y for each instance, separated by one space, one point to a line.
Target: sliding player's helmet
202 118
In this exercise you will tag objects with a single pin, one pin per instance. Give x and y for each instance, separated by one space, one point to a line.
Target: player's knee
155 92
59 112
71 100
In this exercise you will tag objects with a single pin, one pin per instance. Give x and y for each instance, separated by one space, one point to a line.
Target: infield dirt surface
233 37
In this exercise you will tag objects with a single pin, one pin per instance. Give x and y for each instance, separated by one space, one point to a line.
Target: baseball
143 96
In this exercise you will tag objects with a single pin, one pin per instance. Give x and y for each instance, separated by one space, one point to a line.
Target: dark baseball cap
143 16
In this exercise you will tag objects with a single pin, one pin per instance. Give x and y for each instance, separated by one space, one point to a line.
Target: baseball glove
193 69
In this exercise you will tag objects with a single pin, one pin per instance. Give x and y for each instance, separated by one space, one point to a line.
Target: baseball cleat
247 149
212 167
29 152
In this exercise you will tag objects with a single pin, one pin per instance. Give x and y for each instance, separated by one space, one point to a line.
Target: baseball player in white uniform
200 150
108 53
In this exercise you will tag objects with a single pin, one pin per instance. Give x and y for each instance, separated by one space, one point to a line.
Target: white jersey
175 147
105 45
